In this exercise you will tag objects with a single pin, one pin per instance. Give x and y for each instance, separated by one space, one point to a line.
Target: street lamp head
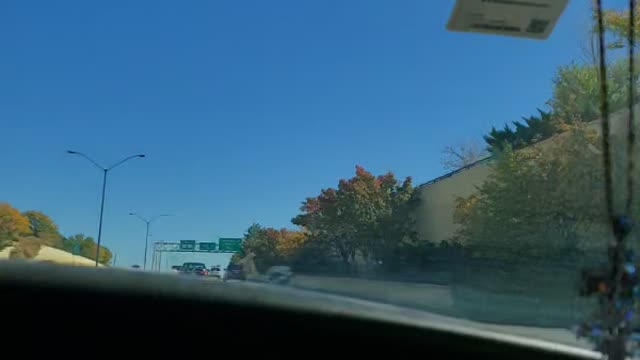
71 152
141 155
132 213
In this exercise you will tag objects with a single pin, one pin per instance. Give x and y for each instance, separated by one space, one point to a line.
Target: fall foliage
27 232
271 246
366 217
12 222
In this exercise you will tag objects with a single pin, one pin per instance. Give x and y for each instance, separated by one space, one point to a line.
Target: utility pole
146 237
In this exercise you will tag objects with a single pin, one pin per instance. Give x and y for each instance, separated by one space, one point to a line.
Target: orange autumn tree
366 216
27 232
289 242
12 224
271 246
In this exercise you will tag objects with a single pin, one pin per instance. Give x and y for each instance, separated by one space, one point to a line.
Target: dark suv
234 272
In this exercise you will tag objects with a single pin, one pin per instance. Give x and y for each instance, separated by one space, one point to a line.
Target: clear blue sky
244 108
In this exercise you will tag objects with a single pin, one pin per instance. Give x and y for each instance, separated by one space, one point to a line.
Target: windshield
364 149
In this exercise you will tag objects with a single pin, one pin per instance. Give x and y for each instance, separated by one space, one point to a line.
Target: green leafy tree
538 202
575 100
261 242
616 23
530 131
74 243
249 237
44 228
576 91
85 246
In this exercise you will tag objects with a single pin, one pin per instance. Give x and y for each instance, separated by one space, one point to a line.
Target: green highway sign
187 245
207 246
229 244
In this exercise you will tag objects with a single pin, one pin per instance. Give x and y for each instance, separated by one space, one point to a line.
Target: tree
576 91
270 246
359 217
290 242
328 226
12 222
263 243
39 223
43 227
249 237
616 23
25 247
74 244
85 246
534 129
12 225
537 202
461 155
105 256
575 100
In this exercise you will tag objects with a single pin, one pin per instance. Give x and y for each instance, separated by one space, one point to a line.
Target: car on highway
215 271
279 274
234 272
193 268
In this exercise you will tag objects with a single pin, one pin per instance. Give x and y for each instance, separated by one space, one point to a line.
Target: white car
215 272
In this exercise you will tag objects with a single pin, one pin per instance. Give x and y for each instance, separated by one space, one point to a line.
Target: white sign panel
524 18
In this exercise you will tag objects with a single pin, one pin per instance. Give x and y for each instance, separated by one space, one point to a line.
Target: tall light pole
146 238
105 171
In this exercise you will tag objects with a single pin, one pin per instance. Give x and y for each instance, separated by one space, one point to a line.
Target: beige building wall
434 218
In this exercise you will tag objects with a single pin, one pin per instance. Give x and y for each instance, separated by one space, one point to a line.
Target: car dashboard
124 312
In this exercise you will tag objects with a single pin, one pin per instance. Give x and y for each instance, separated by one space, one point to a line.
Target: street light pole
104 189
146 238
146 247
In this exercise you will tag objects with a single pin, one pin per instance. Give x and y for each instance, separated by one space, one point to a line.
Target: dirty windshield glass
404 153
